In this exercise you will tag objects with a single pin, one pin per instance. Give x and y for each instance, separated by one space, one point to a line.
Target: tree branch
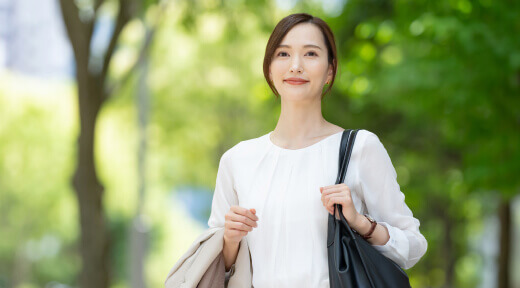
76 30
142 54
97 4
126 11
150 32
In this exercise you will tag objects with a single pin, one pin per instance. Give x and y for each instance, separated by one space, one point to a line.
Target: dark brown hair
283 27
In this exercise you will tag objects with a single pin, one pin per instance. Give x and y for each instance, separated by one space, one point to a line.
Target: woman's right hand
239 221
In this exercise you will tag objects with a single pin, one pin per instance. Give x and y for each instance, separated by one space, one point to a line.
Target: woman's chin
297 95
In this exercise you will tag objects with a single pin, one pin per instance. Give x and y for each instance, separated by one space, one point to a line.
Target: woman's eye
312 53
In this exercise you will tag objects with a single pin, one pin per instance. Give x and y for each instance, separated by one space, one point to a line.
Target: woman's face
301 54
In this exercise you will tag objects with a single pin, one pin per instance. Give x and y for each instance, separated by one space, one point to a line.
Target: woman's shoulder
370 145
366 135
363 137
368 140
362 134
246 147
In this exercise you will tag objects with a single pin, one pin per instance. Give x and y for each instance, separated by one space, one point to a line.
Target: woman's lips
292 82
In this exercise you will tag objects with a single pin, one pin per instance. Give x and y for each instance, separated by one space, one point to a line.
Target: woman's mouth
296 81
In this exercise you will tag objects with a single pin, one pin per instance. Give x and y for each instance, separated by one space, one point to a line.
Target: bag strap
345 151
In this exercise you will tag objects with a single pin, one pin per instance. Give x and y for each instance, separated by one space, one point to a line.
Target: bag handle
346 146
345 151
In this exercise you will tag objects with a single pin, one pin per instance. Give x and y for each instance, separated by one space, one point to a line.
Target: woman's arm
380 236
224 197
230 252
377 182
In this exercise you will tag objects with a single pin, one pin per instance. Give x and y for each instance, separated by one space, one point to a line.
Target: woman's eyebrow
304 46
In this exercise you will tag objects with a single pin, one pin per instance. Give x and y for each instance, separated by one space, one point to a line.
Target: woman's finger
325 197
335 200
331 190
242 219
332 196
245 212
239 226
335 188
326 201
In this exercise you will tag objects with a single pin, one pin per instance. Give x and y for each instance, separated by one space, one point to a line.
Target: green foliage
437 81
38 214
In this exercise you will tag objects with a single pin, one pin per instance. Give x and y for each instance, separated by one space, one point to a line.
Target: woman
276 190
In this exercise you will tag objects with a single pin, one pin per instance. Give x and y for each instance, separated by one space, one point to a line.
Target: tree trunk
504 259
95 240
449 255
94 234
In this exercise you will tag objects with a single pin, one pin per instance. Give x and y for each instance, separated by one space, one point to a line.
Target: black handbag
353 262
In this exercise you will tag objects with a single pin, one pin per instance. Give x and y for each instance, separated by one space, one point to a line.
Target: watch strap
372 228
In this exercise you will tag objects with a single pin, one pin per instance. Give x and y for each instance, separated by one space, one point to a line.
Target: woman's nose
296 66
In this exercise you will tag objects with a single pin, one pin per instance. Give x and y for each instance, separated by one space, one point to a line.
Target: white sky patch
286 4
333 8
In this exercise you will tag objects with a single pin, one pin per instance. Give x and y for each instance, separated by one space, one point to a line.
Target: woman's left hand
340 194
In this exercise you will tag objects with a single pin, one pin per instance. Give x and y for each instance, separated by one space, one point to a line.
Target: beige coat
203 264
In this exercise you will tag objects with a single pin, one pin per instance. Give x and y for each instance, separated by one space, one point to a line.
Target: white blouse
289 246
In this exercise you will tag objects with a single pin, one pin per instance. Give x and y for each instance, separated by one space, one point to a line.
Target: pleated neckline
306 148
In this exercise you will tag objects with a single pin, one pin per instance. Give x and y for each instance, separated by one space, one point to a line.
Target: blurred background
114 116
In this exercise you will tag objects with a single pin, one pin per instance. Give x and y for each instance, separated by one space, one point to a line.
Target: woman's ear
330 74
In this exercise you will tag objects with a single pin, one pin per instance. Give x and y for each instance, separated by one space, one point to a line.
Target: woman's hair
283 27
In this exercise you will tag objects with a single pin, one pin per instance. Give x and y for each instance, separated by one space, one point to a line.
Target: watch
372 228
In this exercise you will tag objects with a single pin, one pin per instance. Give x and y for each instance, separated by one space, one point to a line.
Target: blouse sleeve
225 195
385 203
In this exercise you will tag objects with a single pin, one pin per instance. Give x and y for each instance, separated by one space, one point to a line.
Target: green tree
440 79
94 88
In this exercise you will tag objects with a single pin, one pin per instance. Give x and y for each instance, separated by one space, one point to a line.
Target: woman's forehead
303 36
